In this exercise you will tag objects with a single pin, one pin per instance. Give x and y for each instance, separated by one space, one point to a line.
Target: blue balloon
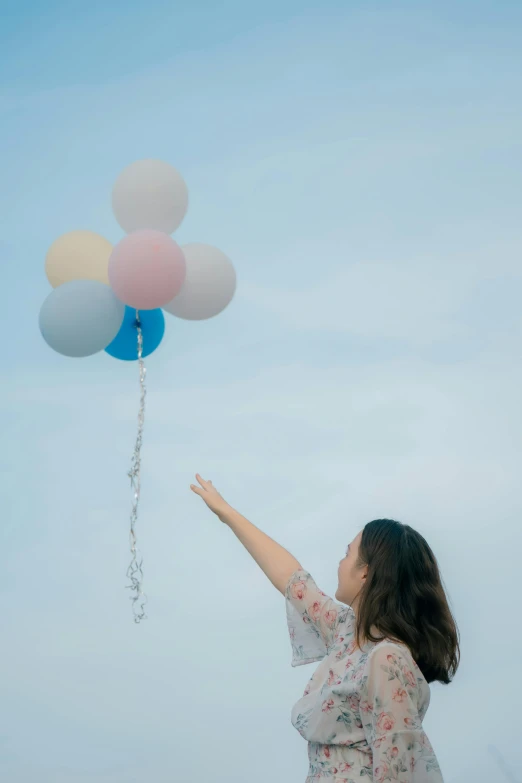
125 344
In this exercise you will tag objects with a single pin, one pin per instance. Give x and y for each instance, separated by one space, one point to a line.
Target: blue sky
360 164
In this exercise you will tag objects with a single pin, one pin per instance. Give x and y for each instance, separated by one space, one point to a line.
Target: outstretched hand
210 495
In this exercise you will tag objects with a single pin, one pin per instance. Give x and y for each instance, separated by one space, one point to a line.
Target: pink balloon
146 269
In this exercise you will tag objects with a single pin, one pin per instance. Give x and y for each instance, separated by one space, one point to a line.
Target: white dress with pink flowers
362 710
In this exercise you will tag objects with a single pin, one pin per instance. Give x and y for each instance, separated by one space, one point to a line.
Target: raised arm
312 616
276 562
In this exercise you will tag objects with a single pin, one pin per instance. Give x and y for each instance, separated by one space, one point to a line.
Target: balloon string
135 571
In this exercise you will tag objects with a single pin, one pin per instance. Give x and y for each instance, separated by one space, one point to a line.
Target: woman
362 710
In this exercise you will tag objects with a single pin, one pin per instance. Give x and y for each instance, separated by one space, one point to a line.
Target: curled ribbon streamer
135 571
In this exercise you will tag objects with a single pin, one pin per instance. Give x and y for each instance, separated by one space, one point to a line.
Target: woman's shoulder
391 645
388 652
396 658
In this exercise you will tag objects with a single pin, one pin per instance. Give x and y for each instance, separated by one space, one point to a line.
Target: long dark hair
403 598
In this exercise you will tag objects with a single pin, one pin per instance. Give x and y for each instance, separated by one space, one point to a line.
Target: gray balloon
81 317
150 194
210 283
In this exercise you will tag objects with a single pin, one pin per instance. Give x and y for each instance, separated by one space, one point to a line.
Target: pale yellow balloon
78 255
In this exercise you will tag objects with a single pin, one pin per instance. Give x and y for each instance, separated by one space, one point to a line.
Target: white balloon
150 194
210 283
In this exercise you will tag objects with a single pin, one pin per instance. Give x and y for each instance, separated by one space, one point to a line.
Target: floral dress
362 710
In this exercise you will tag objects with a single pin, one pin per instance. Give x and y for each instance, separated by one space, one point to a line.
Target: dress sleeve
312 619
389 711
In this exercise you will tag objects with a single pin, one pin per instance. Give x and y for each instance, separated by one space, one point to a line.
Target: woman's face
351 578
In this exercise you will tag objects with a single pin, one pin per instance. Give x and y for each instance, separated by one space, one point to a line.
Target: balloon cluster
113 298
99 290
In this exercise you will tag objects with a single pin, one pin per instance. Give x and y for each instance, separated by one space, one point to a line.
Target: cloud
418 301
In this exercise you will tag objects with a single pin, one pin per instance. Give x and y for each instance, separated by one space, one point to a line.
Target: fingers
204 484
